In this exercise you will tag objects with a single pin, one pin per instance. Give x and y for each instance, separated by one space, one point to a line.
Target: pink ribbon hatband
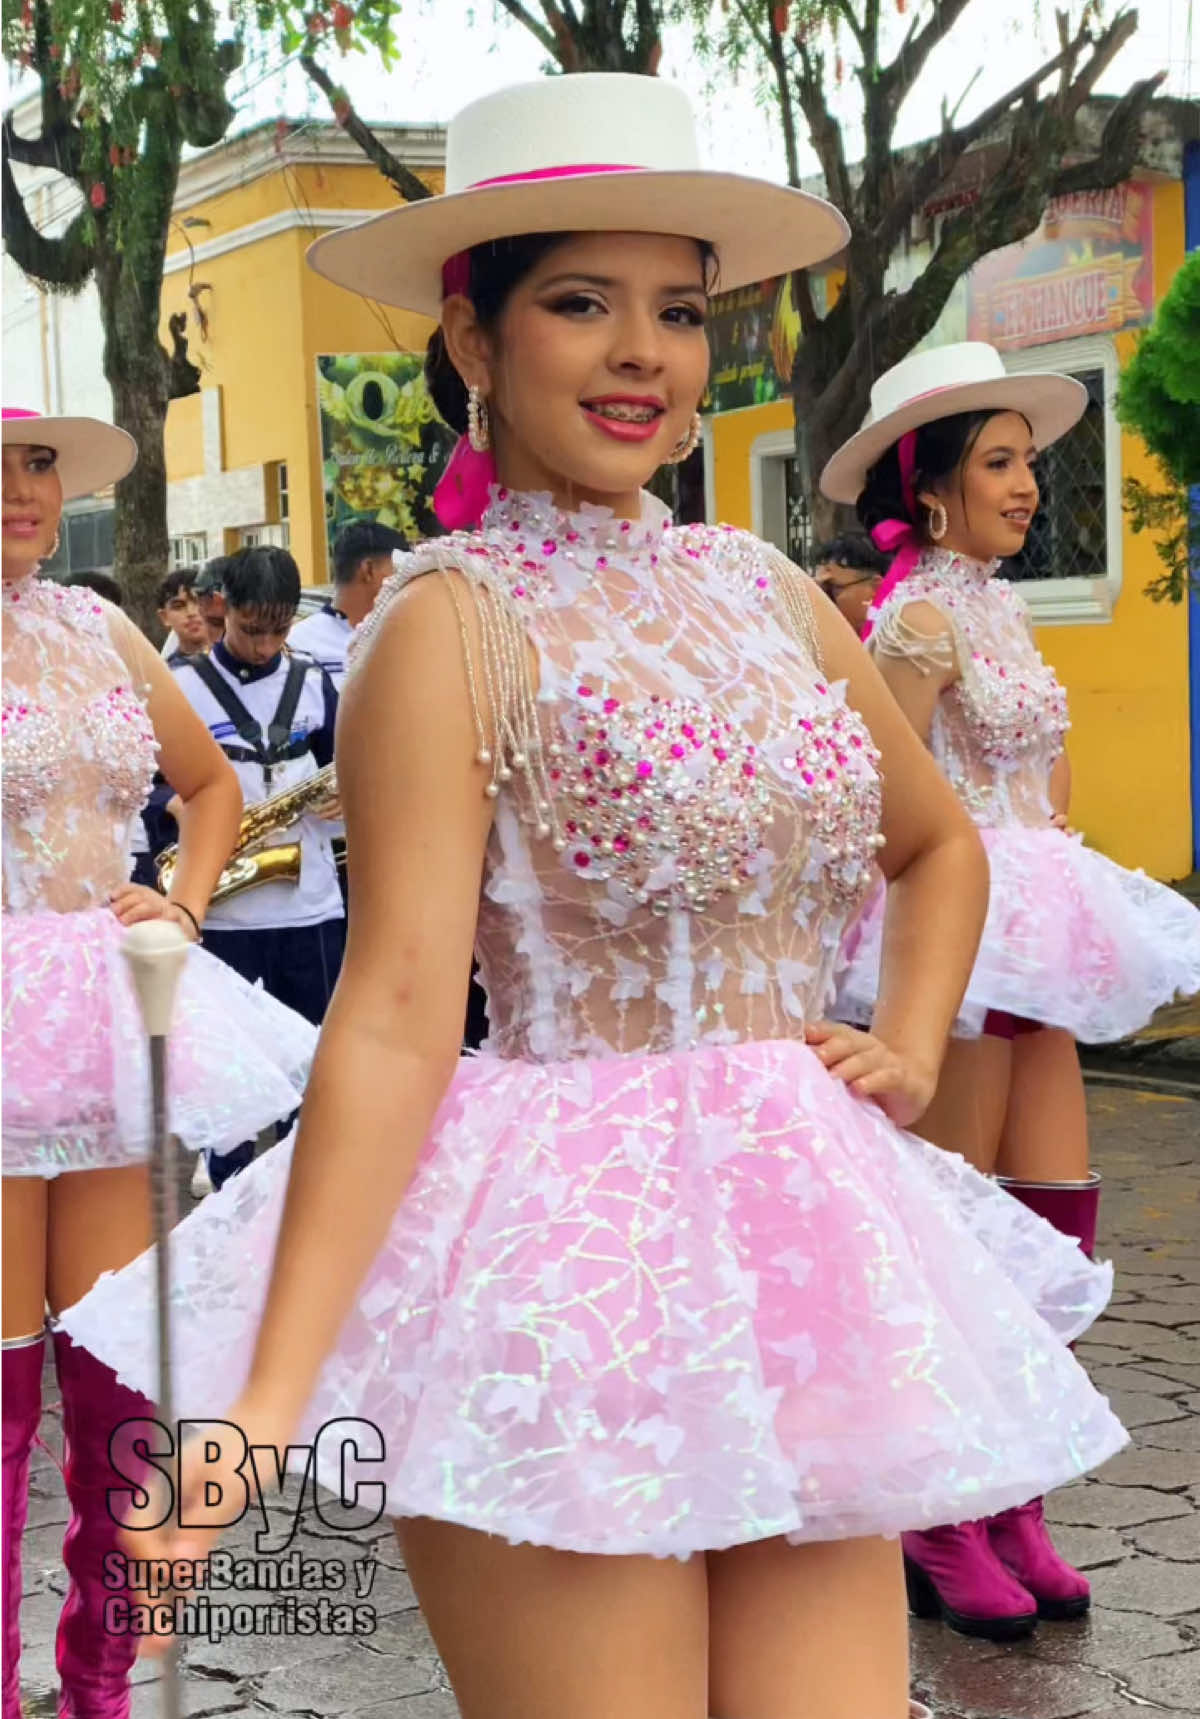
461 497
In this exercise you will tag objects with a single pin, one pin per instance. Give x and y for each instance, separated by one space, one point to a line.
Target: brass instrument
258 857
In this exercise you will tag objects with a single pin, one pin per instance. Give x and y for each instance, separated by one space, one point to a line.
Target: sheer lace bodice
686 811
999 727
78 747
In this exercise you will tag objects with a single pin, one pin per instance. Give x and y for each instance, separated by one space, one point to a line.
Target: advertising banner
383 447
1087 270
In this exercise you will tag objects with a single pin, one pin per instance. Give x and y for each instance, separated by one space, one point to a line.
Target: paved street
1135 1526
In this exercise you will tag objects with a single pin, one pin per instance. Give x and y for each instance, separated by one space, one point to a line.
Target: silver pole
156 952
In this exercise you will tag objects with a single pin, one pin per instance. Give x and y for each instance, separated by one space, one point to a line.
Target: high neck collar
952 564
591 532
244 672
552 556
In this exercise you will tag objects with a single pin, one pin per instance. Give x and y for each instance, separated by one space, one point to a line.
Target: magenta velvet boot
953 1573
22 1386
94 1661
1020 1537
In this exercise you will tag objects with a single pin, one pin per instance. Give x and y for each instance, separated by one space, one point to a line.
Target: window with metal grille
797 515
188 550
254 535
1069 535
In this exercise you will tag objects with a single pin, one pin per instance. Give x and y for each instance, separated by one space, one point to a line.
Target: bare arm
1059 790
933 860
194 765
418 821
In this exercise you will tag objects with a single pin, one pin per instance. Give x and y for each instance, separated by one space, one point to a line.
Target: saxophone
258 857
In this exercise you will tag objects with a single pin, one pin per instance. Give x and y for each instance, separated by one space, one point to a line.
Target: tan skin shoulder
418 815
917 686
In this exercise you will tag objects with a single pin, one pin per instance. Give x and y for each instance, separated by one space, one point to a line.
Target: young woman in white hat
944 476
88 706
657 1309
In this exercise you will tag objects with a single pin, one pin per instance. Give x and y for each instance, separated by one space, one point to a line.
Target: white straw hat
968 376
590 152
90 454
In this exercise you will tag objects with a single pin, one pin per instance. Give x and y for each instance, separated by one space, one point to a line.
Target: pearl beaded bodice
686 811
78 748
999 727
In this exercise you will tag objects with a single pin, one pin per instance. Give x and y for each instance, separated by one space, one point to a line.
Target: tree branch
65 262
915 185
824 129
900 77
1119 144
412 189
523 16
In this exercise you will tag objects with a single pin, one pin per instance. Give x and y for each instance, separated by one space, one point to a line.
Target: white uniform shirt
325 636
316 897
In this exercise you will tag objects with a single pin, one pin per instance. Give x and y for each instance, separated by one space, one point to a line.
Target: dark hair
493 270
103 584
211 577
263 577
852 549
182 579
356 542
943 448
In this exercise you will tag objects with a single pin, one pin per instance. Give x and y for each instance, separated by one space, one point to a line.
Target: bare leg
99 1221
530 1633
24 1211
1045 1134
808 1632
968 1109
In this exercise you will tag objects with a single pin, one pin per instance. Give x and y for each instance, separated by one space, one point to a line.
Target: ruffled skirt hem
76 1063
660 1304
1071 940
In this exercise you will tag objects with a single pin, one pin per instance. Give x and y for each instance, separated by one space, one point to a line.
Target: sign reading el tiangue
1089 269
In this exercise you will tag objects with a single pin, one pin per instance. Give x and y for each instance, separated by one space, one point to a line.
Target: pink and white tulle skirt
1072 940
653 1304
76 1063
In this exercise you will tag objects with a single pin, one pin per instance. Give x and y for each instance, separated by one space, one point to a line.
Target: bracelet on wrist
195 922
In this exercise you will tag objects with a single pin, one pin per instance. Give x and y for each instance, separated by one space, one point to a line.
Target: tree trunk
142 543
136 367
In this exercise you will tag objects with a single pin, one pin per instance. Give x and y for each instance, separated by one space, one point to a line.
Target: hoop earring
479 432
686 448
54 546
939 522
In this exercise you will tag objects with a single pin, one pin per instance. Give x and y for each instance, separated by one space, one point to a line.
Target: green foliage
127 83
1160 387
1174 517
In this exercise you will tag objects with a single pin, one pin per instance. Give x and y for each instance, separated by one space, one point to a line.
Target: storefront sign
382 444
754 334
1087 270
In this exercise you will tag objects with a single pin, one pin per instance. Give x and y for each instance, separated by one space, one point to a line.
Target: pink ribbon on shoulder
898 537
461 497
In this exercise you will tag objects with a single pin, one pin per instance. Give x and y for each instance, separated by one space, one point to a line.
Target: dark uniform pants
299 966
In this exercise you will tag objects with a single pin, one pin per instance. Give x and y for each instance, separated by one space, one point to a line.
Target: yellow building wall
1127 680
269 316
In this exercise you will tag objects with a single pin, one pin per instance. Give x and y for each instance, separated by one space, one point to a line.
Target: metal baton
155 952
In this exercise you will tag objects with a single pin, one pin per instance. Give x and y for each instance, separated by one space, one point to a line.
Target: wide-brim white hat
968 376
590 152
90 454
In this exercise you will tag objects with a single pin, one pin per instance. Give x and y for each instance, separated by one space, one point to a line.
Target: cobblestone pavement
1135 1526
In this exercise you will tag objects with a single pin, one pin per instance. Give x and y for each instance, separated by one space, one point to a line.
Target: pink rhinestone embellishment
665 799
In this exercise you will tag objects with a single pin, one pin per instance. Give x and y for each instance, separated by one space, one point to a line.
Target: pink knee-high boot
21 1381
94 1661
1020 1537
